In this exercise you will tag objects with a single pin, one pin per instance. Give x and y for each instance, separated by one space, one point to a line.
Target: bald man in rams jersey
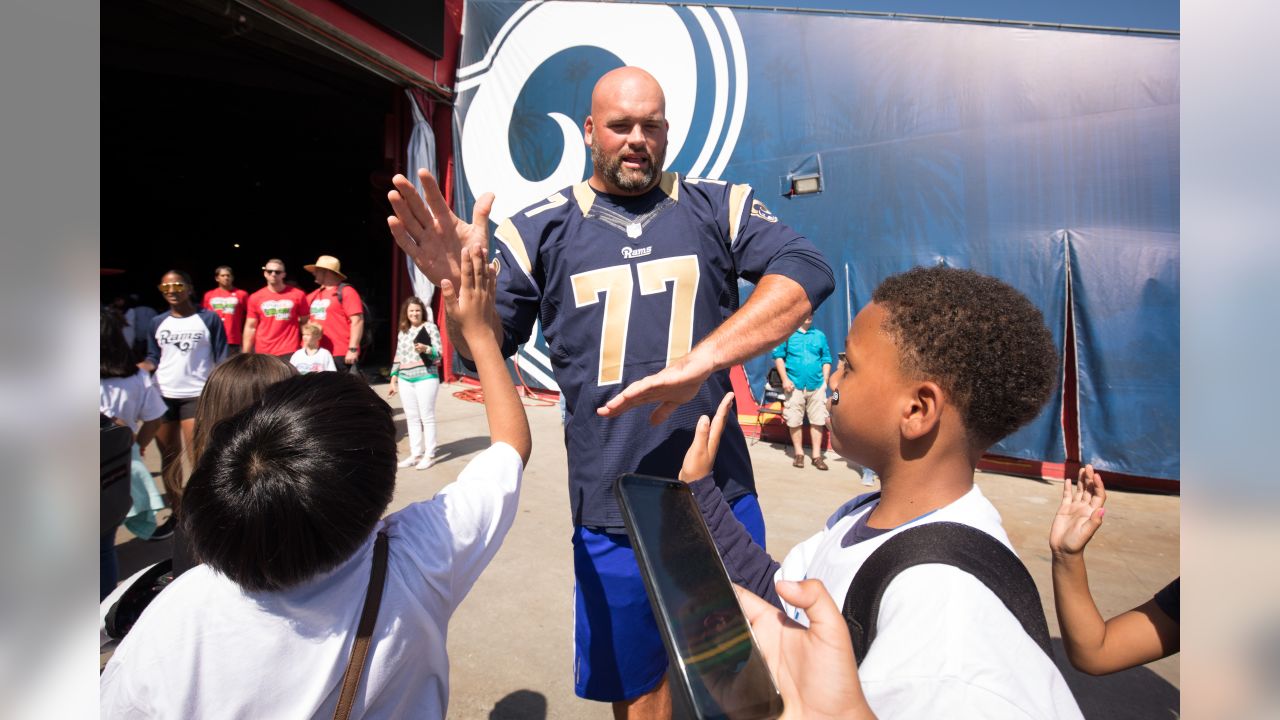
633 275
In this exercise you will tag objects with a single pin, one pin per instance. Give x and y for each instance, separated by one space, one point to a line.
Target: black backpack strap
863 500
947 543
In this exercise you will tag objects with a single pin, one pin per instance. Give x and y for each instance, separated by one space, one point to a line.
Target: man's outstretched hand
429 232
672 387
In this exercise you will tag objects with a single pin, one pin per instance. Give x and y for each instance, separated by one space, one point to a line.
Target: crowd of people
299 598
159 371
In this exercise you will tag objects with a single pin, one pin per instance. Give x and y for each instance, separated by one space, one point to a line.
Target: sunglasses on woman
172 287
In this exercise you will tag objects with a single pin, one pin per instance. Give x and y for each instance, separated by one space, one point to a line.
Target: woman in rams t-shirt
183 345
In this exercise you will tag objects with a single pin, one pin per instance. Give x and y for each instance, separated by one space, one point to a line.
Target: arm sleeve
207 303
153 348
826 350
748 564
764 246
328 363
482 506
254 309
217 335
780 352
434 333
472 515
395 353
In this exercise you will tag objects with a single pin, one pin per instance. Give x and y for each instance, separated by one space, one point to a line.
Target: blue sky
1144 14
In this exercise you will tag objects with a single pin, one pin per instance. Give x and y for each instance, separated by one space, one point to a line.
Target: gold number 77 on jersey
616 284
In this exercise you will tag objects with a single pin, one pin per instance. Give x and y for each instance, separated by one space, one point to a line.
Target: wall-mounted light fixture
805 178
806 184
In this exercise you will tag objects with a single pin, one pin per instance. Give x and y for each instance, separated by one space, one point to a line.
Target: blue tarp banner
1047 158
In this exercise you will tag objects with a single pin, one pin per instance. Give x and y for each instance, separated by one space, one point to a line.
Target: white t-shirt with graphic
186 355
322 360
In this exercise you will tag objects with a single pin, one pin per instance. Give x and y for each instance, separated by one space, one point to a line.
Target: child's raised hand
472 305
701 456
1080 514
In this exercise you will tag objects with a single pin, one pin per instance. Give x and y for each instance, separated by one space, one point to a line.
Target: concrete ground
511 642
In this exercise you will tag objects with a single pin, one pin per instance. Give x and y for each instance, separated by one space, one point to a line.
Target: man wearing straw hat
336 307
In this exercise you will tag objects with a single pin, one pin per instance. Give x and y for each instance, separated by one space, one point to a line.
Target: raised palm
428 231
701 456
1080 514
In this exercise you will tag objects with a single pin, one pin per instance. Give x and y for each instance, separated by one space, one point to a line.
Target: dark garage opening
227 139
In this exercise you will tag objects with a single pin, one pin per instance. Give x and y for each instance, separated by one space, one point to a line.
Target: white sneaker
426 463
407 462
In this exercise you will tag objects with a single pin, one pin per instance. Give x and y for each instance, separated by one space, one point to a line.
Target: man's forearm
773 312
357 331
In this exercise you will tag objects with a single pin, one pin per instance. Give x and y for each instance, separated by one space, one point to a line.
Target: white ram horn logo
540 30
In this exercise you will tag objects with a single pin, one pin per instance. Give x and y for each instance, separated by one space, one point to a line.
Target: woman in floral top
415 376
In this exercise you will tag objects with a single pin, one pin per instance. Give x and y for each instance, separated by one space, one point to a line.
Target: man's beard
610 168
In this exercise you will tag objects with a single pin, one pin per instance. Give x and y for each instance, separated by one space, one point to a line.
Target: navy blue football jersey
624 286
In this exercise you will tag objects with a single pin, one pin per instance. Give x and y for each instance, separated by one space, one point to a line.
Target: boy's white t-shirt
320 361
206 648
945 645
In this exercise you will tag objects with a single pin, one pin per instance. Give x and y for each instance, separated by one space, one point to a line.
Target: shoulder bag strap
948 543
364 633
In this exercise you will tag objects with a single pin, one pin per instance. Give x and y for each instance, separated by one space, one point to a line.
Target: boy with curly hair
939 366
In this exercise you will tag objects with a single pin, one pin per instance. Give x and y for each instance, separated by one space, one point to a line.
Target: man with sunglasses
276 315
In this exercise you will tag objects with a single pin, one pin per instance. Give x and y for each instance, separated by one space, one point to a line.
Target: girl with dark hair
127 394
414 375
183 345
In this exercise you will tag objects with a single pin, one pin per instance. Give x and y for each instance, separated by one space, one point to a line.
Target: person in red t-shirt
276 314
231 305
337 310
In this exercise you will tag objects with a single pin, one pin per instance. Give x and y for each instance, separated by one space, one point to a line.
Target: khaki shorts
802 402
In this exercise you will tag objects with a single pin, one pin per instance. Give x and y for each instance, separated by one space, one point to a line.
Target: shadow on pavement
137 554
520 705
458 448
1134 693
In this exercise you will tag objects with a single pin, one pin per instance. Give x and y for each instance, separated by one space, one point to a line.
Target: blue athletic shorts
619 654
